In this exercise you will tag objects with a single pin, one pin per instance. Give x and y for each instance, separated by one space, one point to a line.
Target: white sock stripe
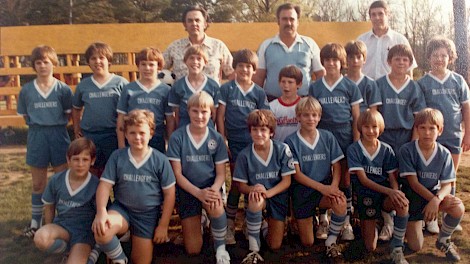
113 254
218 230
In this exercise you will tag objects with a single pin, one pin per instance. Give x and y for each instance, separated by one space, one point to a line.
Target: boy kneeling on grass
72 193
429 170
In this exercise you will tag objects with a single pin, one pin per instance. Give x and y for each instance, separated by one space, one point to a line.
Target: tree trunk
461 40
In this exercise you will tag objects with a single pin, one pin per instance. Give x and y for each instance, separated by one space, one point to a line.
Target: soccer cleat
348 233
386 233
222 257
458 228
397 256
449 249
322 230
29 232
126 237
333 252
252 258
120 261
432 227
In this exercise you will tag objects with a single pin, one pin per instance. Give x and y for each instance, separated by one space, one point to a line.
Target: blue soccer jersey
100 102
336 100
399 105
238 105
315 159
198 160
370 93
251 169
447 96
45 109
182 90
71 204
439 168
138 186
137 96
376 166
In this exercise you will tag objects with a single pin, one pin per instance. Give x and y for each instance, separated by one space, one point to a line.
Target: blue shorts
79 230
305 200
105 142
141 224
369 202
396 138
47 145
187 204
235 147
417 203
454 145
158 143
343 134
277 206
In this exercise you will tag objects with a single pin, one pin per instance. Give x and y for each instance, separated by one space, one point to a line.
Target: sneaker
252 258
432 227
222 257
449 248
120 261
386 233
264 229
29 232
322 230
333 251
458 228
397 256
348 233
126 237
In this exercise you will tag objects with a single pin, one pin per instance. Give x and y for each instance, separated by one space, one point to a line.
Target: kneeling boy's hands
331 191
431 210
208 196
161 235
101 224
257 192
398 199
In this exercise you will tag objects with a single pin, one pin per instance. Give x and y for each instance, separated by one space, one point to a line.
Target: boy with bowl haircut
263 172
195 59
316 155
144 194
237 99
148 92
72 194
429 172
96 97
46 104
198 156
374 165
356 52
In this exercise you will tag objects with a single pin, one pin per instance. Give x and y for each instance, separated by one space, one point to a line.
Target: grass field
15 188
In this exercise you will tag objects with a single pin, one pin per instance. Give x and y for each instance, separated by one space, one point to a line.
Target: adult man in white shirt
379 41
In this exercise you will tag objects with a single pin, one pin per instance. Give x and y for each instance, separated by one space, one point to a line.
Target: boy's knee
41 240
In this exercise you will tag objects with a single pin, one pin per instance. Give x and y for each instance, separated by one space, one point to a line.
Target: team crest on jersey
370 212
290 164
367 201
212 144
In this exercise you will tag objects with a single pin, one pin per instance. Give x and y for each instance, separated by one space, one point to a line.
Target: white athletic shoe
432 227
348 233
322 230
386 233
222 257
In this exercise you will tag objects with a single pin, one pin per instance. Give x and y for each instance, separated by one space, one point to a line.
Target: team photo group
312 139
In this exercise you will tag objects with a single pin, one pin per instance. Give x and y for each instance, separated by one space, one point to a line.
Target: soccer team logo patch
212 144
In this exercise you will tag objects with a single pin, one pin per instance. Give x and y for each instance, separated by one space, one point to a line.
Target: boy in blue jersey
72 193
290 80
144 194
356 52
237 99
97 97
263 172
340 99
195 59
401 99
316 155
148 92
429 171
447 91
374 165
46 104
198 156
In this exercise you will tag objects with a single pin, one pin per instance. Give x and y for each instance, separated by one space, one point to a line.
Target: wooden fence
70 42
